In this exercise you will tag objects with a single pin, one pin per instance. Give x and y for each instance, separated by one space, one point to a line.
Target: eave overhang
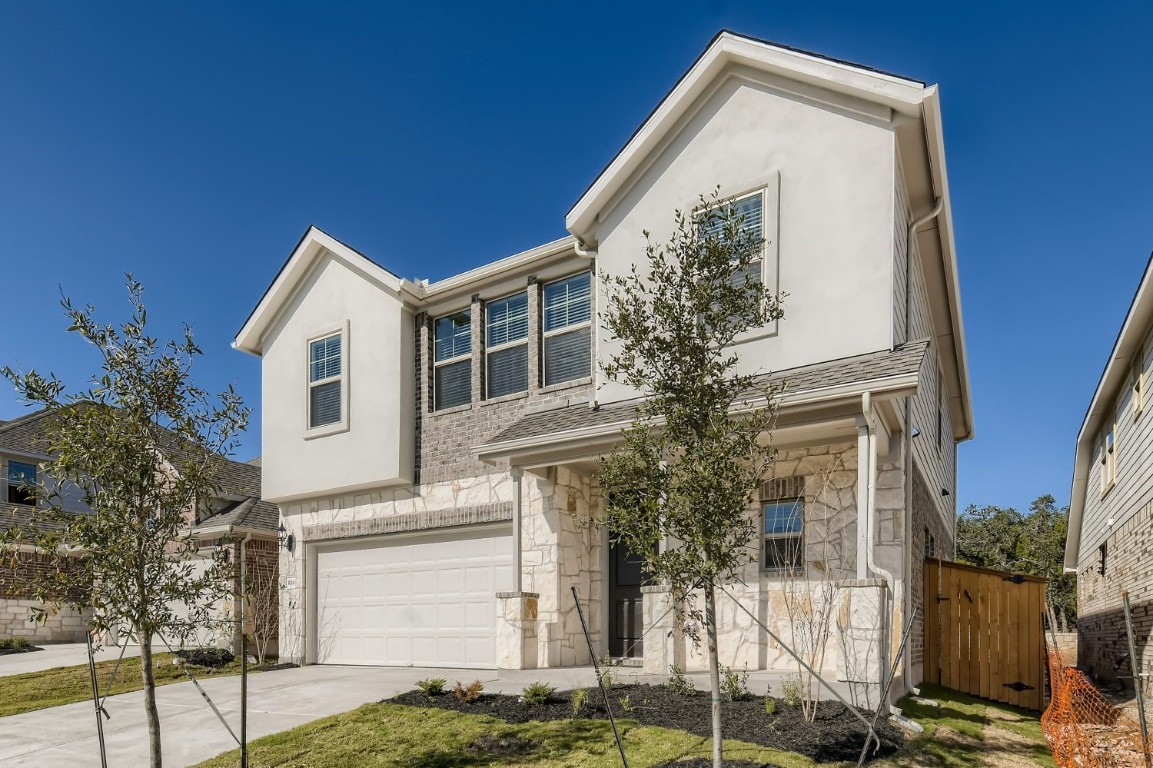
311 248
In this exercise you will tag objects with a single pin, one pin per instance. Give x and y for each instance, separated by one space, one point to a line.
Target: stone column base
862 624
664 642
516 628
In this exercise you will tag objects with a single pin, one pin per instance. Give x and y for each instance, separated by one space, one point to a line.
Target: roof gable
725 52
310 250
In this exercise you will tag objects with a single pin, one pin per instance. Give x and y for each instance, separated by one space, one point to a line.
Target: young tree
139 447
695 455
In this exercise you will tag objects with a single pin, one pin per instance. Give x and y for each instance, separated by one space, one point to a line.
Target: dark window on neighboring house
452 361
506 342
930 545
783 532
1104 549
21 479
568 329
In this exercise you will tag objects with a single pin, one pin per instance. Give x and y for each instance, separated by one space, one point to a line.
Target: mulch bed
834 735
27 649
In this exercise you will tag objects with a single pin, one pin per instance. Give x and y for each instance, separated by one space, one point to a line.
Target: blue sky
192 144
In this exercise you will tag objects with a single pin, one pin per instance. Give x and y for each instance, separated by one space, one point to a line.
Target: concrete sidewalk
58 655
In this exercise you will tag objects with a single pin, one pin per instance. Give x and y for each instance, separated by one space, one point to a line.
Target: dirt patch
705 762
502 746
999 748
1003 715
835 735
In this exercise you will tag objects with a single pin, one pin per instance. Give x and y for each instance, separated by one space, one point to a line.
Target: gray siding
1134 450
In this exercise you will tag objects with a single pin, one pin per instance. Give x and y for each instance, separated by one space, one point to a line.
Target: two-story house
236 524
1111 505
432 445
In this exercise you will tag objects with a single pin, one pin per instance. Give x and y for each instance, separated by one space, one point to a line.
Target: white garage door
427 600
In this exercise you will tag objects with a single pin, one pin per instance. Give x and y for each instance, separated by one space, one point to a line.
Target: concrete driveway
65 737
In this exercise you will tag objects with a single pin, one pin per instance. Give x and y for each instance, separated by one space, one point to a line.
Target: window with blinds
325 375
567 327
452 360
21 483
506 340
750 211
783 535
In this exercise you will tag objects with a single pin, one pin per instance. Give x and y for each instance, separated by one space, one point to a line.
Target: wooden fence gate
984 633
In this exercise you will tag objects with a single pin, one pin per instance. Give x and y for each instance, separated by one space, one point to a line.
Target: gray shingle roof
903 360
249 513
26 435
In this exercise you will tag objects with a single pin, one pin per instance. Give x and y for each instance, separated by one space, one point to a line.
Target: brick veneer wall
445 438
925 516
1102 641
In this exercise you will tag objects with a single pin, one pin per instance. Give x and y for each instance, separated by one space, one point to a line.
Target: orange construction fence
1083 729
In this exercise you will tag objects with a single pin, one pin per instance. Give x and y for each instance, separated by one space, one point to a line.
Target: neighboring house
1111 505
432 445
238 516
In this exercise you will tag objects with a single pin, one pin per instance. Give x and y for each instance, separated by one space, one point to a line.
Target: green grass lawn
66 685
963 732
967 731
393 734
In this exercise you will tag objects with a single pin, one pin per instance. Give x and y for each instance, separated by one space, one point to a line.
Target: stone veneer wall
16 603
559 550
1102 637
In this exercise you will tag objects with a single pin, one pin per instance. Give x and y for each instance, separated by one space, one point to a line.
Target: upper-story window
1139 382
21 483
568 329
750 210
1108 459
506 329
452 361
325 377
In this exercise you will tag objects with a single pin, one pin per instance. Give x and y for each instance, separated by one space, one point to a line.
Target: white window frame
488 351
782 570
449 361
1108 458
342 424
546 335
770 193
1138 382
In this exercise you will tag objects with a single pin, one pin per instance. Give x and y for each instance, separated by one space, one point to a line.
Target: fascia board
893 386
1077 505
225 530
307 252
935 143
901 95
468 280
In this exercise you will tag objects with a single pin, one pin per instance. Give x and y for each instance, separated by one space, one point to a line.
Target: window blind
568 302
567 356
453 336
506 320
324 404
453 384
508 371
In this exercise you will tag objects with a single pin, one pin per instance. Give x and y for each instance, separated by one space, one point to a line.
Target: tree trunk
714 671
150 700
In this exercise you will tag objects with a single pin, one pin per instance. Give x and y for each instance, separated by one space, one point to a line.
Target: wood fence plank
996 639
1014 655
951 622
1036 645
966 627
986 585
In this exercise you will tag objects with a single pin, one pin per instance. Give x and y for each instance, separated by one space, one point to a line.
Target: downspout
583 250
863 523
887 595
517 473
934 212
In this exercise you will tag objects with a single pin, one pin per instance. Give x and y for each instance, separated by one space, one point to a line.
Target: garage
412 600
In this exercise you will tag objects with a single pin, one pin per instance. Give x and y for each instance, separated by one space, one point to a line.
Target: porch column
517 474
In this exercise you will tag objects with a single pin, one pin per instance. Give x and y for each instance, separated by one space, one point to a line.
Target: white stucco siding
833 241
374 445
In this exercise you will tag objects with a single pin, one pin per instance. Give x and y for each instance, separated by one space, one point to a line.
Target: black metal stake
96 702
244 700
1137 682
597 670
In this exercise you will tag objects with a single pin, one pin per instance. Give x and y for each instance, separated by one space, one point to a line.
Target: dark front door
626 616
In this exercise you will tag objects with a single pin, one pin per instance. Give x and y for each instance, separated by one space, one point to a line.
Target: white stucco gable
314 245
